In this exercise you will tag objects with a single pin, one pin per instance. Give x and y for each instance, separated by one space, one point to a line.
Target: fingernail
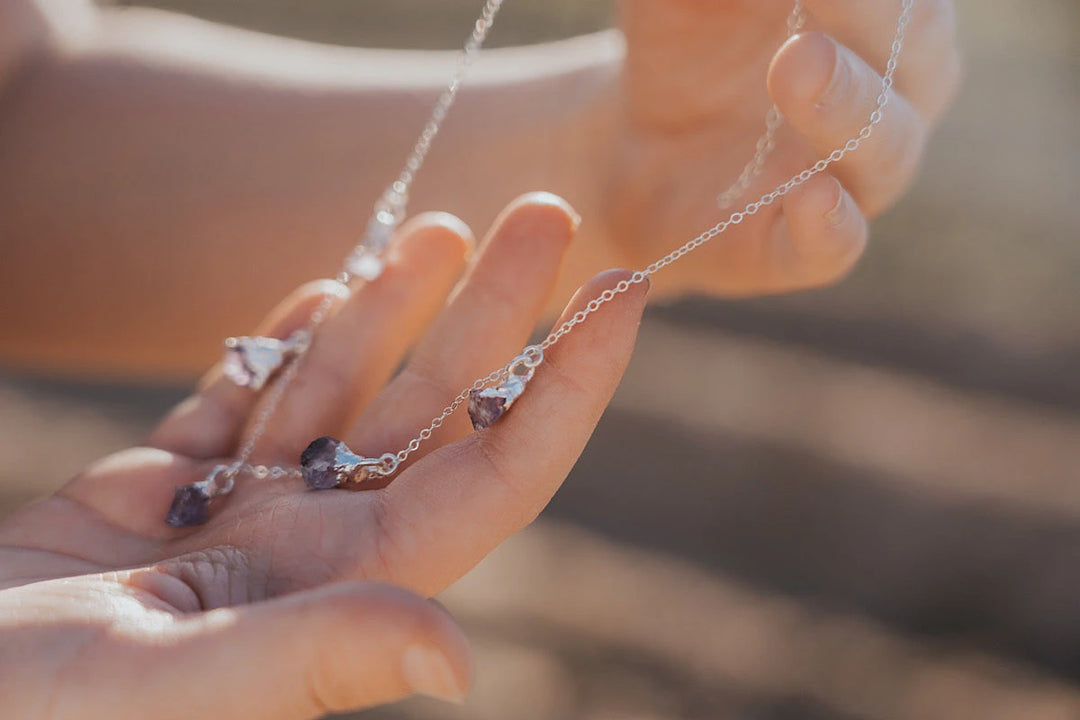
334 287
838 214
575 220
546 198
428 672
837 76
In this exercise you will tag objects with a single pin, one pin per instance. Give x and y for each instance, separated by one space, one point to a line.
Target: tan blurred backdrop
871 509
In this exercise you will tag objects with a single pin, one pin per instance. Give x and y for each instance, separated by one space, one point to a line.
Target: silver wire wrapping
488 405
251 360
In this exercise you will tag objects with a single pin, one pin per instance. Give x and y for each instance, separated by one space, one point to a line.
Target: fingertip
439 232
399 640
608 280
608 310
539 213
803 72
826 231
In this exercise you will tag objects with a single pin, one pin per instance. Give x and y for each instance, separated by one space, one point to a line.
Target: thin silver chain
394 199
391 461
773 120
735 218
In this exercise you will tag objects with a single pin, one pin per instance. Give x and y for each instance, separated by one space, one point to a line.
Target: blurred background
858 503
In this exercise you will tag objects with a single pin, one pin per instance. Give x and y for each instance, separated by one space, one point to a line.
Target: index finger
442 515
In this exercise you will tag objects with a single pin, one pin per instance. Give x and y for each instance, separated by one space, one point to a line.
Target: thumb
339 647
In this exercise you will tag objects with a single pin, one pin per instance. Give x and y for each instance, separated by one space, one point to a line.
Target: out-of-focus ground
858 503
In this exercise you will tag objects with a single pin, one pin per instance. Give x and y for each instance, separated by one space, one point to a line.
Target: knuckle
499 293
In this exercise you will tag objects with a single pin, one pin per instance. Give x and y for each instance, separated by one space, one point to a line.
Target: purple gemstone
485 408
319 464
190 506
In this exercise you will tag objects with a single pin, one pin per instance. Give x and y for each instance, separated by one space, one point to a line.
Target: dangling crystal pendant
190 506
251 361
329 463
486 406
191 503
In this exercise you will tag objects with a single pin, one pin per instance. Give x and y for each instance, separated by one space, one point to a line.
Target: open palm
270 610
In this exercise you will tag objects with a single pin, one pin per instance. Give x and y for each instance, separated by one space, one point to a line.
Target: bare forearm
164 180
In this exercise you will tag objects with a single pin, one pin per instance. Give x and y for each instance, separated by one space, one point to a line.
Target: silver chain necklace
327 462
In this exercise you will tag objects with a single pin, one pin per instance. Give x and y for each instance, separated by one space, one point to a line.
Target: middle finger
484 325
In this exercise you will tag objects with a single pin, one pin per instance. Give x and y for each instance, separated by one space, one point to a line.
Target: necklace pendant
251 361
191 503
329 463
488 405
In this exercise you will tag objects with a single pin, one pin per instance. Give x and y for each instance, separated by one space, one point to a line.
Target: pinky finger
817 239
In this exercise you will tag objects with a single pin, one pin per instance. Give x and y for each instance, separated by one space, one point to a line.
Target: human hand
692 107
274 608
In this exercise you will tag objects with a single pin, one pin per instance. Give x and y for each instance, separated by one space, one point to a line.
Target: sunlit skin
292 603
165 180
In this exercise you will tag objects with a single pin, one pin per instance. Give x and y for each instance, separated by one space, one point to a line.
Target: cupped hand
692 107
284 605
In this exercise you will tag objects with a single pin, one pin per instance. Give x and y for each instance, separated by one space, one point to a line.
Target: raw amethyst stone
250 361
190 506
319 463
485 408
